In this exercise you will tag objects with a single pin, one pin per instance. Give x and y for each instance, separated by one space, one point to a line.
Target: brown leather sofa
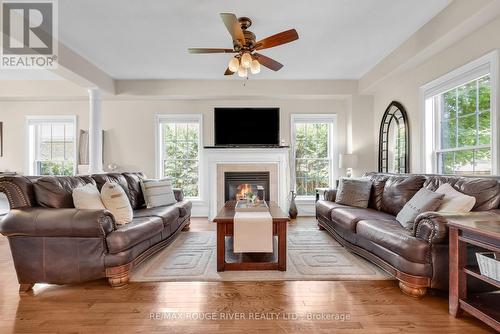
416 255
52 242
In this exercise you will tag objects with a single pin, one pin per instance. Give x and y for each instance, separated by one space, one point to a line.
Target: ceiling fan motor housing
249 38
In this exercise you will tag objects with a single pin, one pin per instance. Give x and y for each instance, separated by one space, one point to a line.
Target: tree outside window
312 157
180 155
465 129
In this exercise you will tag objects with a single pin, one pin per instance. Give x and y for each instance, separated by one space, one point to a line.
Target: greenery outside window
179 141
52 145
464 127
312 141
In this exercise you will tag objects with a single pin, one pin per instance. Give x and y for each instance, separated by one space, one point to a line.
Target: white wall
404 87
130 124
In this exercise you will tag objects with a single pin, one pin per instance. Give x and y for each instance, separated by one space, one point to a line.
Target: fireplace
237 184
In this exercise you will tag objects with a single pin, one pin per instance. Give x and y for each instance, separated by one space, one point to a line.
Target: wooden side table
484 234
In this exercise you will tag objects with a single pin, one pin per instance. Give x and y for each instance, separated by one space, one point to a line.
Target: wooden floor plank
372 306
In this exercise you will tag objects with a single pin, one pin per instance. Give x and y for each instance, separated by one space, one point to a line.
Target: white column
95 131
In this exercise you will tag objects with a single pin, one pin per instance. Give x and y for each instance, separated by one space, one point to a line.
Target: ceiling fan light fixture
242 71
234 64
255 67
246 60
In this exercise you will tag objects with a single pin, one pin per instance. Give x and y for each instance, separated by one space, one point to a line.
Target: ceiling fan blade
228 72
278 39
233 26
268 62
208 50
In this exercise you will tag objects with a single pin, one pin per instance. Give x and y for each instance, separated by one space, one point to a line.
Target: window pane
467 98
467 131
464 162
450 104
446 163
54 168
484 93
181 156
169 131
58 150
483 164
449 134
484 128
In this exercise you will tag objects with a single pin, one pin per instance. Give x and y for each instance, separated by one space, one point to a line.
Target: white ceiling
339 39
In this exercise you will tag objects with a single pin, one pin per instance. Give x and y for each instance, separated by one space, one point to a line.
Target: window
461 116
52 145
179 151
465 129
312 141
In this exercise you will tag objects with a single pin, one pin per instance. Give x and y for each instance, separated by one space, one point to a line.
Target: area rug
313 255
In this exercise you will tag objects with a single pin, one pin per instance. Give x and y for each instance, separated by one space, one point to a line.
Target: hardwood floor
371 306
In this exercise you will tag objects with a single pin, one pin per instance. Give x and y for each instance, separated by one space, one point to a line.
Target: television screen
247 126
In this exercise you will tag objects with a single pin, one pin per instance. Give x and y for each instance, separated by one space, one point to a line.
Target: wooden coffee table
225 224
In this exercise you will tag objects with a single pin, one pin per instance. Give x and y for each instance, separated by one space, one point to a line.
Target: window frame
430 129
179 118
330 119
30 149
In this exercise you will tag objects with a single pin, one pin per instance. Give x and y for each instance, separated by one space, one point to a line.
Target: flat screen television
247 126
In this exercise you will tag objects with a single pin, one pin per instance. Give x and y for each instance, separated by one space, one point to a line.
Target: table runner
253 232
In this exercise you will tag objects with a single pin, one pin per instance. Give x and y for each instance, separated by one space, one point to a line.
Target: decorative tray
245 206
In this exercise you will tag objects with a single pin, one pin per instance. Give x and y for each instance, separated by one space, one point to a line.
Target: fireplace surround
274 161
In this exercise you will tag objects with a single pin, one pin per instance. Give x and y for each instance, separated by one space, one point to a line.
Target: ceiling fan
245 46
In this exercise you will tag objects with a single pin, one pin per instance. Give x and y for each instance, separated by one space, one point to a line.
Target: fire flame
243 190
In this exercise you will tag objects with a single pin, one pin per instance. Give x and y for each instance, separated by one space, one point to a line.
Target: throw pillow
116 201
454 200
87 197
158 192
424 200
354 192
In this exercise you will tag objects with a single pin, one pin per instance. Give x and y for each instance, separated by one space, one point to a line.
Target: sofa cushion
348 217
158 192
391 235
454 200
101 179
184 208
87 197
398 190
168 213
354 192
57 191
424 200
486 191
134 189
324 208
378 184
116 201
127 236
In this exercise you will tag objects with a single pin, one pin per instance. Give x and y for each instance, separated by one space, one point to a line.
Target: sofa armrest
179 194
433 226
330 195
47 222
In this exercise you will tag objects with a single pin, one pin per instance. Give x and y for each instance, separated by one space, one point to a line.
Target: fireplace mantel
275 160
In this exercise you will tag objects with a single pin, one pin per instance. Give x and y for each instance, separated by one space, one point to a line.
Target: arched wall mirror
394 140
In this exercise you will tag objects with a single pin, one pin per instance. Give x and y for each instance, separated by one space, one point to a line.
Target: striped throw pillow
116 201
158 192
